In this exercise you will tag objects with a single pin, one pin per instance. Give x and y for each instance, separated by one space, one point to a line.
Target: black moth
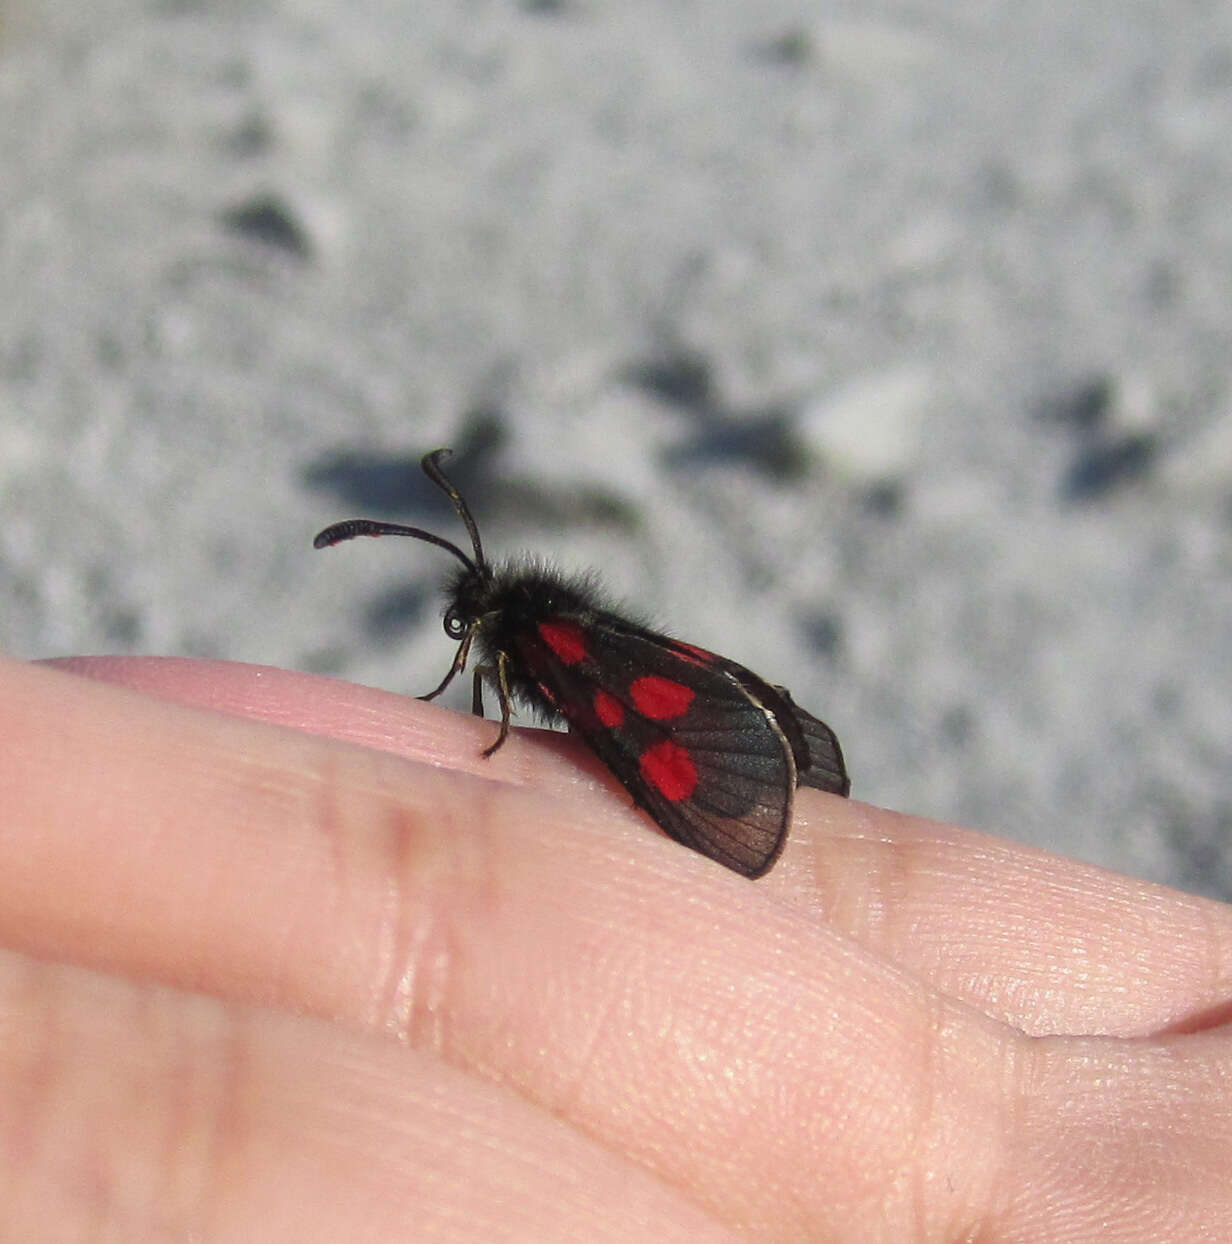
708 749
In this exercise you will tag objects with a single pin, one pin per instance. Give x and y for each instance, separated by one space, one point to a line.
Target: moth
713 753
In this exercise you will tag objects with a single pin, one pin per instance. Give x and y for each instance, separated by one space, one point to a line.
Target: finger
139 1114
1046 944
1120 1140
678 1015
731 1056
346 711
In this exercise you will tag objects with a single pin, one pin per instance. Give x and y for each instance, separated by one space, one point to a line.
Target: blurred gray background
883 348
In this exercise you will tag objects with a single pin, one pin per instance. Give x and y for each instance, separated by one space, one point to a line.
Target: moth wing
826 769
818 755
692 745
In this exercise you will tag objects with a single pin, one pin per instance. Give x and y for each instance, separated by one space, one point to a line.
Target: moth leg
482 672
459 664
506 700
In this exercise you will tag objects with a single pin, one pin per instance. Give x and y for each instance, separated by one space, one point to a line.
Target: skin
285 959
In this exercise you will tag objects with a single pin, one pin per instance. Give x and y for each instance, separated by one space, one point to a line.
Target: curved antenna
349 528
431 465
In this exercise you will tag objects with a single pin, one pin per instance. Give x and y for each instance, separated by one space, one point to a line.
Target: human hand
350 981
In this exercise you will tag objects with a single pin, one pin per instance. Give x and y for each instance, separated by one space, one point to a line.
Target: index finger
1045 944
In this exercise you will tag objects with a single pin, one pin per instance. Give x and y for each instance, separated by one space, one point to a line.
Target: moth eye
455 624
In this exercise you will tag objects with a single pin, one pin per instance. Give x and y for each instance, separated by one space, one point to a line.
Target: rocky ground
887 354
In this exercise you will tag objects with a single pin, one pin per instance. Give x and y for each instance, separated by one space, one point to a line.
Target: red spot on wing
609 710
660 699
669 768
566 639
691 652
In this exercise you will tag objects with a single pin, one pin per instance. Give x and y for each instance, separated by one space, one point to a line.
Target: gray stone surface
886 354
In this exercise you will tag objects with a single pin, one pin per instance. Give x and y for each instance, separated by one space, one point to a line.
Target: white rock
869 429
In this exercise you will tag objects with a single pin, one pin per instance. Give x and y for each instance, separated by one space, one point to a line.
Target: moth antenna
349 528
431 465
